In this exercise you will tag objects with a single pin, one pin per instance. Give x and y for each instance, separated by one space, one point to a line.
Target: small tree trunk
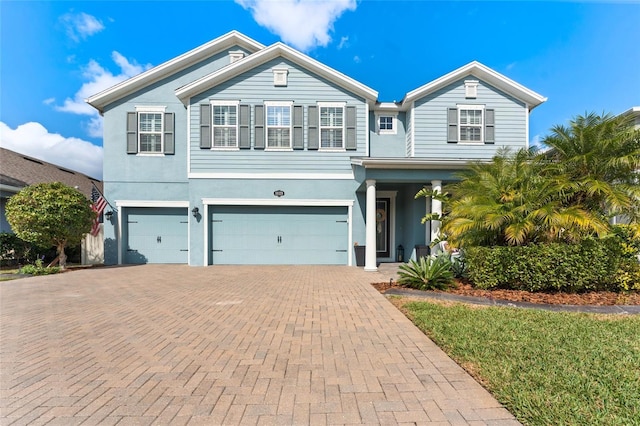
62 256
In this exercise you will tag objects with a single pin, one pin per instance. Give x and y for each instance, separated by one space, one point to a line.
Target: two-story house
239 153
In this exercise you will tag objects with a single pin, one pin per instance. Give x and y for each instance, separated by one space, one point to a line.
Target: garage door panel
279 235
157 235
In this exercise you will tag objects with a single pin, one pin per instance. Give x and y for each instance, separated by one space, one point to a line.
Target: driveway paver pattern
255 345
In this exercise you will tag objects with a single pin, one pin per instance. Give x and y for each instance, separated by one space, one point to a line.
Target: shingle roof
18 170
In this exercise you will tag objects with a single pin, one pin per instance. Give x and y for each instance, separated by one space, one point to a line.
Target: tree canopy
50 214
590 174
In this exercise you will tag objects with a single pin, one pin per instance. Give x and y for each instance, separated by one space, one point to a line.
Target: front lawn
545 367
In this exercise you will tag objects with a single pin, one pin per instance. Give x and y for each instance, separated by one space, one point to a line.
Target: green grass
547 368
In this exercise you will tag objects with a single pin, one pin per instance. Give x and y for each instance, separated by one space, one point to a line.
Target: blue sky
583 56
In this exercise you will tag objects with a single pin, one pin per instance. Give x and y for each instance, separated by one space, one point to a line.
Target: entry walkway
162 344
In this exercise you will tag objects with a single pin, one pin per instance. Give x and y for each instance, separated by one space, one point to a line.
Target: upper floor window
386 124
470 123
150 132
278 125
331 126
225 125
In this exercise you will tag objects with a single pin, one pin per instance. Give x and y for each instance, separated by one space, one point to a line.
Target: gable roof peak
146 78
484 73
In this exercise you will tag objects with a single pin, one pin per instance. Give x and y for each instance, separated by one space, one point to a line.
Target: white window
278 125
331 126
150 130
225 125
470 123
386 124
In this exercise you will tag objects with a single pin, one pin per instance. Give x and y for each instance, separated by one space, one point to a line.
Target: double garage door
278 235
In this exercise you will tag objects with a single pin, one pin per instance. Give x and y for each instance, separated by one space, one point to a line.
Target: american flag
98 205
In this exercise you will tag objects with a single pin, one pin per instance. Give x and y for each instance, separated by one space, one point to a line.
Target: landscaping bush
428 273
14 251
39 269
593 264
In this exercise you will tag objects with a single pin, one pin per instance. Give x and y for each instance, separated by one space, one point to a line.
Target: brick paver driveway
161 344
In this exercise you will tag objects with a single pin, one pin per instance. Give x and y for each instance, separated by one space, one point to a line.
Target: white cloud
344 42
81 25
49 101
34 140
357 59
99 79
303 24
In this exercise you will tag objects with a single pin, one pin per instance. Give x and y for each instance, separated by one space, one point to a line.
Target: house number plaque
278 193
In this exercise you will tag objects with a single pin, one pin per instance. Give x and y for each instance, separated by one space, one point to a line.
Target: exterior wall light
195 212
108 215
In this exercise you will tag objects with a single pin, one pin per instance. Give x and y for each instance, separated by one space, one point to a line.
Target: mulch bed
595 298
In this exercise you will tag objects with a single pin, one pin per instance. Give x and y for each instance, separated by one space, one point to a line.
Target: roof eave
411 163
475 68
275 50
104 98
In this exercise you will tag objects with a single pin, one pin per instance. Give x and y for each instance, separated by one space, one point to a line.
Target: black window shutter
298 133
312 119
489 126
132 132
205 126
452 127
259 127
243 120
350 139
169 138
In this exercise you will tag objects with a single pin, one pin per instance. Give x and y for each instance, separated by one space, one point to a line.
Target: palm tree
601 154
515 200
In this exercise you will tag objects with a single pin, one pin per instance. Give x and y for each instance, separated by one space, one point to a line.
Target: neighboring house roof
484 73
233 38
20 170
276 50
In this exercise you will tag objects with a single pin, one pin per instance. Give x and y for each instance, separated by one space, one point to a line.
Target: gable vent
235 55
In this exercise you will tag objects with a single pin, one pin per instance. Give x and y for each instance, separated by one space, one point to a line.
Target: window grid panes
225 121
386 123
150 131
331 127
278 126
471 125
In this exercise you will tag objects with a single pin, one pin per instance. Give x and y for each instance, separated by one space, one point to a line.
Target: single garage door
156 235
266 235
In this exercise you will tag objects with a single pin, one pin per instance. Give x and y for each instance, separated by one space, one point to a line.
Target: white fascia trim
367 130
526 126
188 137
100 100
413 129
386 107
275 202
484 73
265 55
410 164
151 108
151 203
303 176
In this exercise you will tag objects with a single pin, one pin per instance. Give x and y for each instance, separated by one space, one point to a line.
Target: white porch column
370 263
436 207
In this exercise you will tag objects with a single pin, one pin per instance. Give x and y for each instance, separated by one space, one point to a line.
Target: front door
383 231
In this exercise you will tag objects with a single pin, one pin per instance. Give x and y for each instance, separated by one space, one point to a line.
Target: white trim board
262 176
151 203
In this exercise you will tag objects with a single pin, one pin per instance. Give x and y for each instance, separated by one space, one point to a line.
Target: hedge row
591 265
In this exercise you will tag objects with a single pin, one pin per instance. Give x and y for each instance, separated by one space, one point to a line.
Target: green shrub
427 273
13 250
39 269
594 264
